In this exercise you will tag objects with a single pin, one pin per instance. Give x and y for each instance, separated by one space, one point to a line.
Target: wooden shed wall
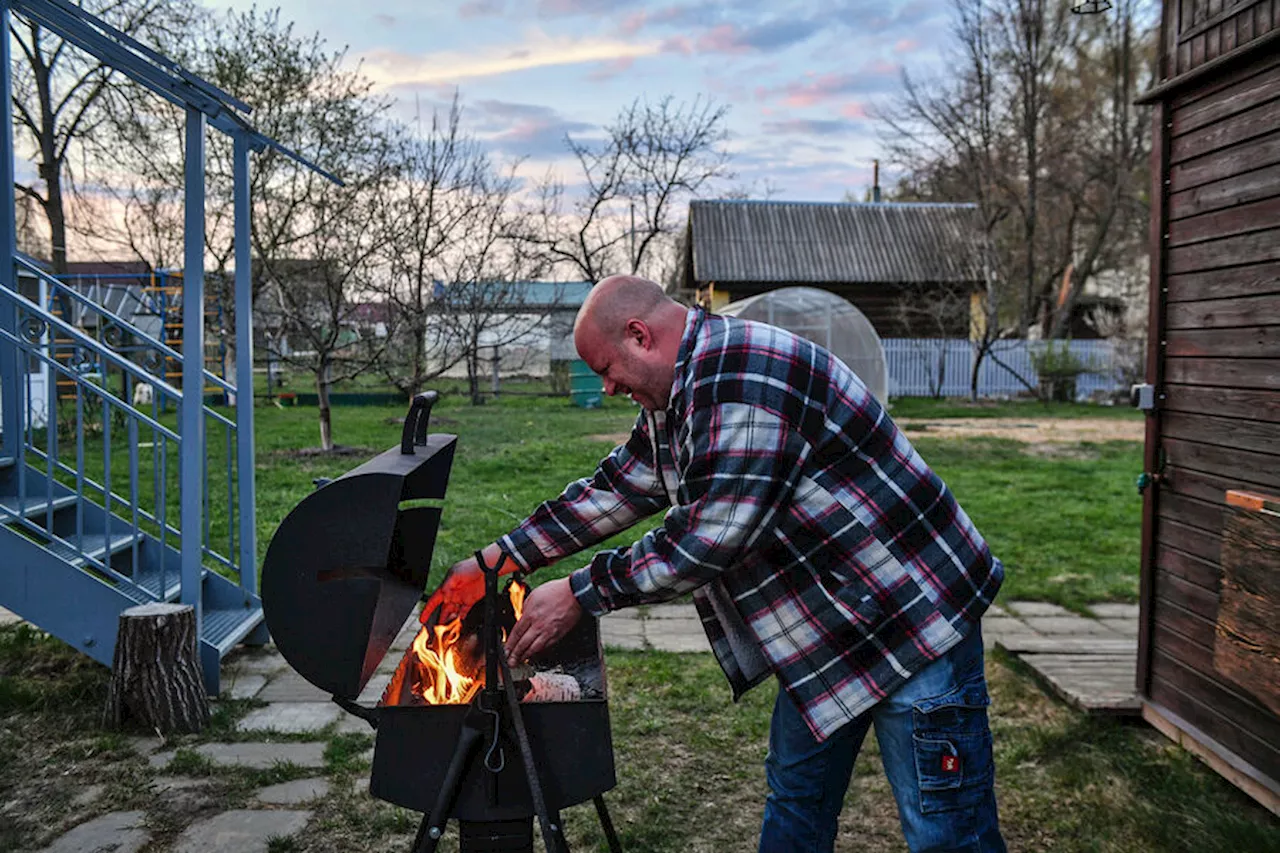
1215 358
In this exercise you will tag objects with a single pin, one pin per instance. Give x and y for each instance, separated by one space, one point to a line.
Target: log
155 675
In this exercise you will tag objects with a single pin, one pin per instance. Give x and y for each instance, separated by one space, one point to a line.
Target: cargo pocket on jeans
952 745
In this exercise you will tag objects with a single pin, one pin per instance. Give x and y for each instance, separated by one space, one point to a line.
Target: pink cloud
633 23
678 44
853 109
612 68
724 38
906 46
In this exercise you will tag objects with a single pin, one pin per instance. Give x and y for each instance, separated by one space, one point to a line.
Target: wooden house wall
1216 360
1199 31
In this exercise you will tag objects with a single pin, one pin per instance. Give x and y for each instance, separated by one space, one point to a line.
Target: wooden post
155 675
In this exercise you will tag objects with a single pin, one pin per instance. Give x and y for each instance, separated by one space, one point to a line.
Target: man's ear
638 331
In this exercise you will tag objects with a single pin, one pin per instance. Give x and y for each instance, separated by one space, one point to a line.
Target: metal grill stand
487 720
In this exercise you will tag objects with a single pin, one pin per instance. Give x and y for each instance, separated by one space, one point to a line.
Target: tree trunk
322 401
155 675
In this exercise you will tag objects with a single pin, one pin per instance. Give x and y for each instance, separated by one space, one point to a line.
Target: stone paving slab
295 792
117 832
350 724
1092 683
264 661
255 755
1067 625
291 687
674 635
1125 627
1112 610
245 685
291 717
672 611
622 633
1030 644
241 831
1036 608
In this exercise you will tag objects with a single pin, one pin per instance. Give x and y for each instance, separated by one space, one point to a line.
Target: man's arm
625 488
743 463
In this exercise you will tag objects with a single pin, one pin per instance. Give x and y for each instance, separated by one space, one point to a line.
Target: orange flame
435 669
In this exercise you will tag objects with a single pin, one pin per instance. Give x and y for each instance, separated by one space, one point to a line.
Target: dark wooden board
1224 283
1197 484
1246 342
1237 312
1242 219
1194 570
1228 193
1257 121
1190 597
1224 462
1247 646
1248 748
1255 247
1260 405
1243 158
1259 373
1191 512
1238 711
1262 85
1189 540
1258 436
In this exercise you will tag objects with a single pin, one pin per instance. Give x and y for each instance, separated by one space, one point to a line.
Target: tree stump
155 675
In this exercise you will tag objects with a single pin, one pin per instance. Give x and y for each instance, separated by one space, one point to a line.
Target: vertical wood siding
1219 429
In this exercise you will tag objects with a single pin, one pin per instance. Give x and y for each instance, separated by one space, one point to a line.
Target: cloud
612 68
811 126
523 130
481 8
876 76
774 35
395 69
564 8
388 21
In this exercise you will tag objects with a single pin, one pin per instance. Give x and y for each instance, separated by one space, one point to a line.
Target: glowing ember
445 664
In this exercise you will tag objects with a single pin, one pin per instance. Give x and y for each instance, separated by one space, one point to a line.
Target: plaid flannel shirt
819 544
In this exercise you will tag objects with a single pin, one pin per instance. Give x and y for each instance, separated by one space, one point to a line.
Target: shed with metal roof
885 258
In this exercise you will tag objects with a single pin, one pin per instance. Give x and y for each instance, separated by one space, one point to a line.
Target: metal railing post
245 479
11 368
192 416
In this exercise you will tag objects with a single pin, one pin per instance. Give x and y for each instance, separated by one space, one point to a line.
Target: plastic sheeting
827 320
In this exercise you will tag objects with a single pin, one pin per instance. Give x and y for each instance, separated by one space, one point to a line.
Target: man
819 548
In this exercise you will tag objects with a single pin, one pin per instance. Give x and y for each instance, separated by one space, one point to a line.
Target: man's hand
549 612
463 586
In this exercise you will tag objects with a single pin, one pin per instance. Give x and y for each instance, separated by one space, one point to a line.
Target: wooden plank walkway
1089 663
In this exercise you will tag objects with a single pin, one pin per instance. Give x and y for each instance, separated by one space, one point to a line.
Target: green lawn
689 761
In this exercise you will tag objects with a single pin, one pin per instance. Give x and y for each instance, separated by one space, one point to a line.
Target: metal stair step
223 628
149 578
32 507
98 546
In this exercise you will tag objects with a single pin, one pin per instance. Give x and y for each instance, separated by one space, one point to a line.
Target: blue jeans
936 748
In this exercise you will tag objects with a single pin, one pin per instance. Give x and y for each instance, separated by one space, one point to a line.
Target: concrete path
1088 661
1091 662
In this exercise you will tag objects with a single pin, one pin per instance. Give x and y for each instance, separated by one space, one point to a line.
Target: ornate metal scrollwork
33 329
83 360
114 336
153 362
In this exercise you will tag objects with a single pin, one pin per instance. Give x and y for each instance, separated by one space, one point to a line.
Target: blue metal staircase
70 566
118 487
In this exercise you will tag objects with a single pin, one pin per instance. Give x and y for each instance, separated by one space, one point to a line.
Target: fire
444 665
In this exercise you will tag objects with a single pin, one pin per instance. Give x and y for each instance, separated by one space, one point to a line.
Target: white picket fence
919 367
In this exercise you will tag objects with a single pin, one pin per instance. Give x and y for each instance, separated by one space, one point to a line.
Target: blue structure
109 501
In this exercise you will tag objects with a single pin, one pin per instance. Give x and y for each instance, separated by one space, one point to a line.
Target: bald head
616 300
629 331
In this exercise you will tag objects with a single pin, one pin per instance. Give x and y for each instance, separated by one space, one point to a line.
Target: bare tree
58 95
440 195
652 157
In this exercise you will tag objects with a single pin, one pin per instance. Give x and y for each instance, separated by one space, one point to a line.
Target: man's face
629 368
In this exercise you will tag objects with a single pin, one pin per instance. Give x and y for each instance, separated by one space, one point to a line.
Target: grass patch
926 407
344 751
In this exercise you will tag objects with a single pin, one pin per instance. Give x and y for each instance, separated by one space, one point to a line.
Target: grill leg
498 836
